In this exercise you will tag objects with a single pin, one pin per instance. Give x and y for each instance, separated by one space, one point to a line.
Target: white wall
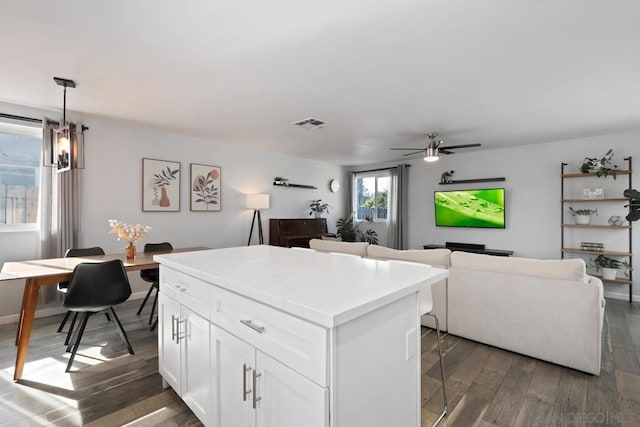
532 197
111 188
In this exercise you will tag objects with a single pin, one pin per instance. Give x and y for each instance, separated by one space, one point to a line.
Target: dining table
47 272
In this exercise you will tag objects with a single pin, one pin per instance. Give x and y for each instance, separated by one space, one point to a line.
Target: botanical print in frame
160 185
205 188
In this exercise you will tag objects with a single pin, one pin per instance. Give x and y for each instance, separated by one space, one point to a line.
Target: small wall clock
334 185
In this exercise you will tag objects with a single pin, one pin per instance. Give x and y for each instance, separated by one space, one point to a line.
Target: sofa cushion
434 257
560 269
354 248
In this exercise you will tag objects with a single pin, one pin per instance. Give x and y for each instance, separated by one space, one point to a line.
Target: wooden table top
64 266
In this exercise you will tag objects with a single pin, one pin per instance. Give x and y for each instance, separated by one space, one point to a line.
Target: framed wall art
205 188
160 185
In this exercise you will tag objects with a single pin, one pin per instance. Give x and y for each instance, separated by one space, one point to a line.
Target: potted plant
348 231
318 207
582 216
610 267
602 167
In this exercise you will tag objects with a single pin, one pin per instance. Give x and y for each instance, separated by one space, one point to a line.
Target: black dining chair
152 275
96 287
62 286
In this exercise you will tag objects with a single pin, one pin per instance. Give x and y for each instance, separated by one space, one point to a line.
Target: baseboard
621 295
52 311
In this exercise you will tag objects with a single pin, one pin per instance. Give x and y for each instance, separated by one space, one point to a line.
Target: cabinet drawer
294 342
189 291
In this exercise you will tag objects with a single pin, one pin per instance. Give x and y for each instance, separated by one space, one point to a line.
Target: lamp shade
257 201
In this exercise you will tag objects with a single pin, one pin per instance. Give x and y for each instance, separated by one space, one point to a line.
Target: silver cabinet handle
174 335
249 323
255 389
245 392
178 337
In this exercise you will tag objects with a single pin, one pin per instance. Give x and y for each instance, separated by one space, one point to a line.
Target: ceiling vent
309 123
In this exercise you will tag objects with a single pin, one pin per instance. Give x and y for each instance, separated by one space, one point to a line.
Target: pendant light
66 149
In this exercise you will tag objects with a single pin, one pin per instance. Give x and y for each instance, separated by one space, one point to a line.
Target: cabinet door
194 338
287 399
168 347
233 363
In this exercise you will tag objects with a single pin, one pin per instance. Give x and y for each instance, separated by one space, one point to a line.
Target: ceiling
380 73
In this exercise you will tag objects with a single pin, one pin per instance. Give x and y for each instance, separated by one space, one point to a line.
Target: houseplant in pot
318 207
582 216
349 231
610 266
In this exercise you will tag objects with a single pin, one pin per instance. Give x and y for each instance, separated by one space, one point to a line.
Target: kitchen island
272 336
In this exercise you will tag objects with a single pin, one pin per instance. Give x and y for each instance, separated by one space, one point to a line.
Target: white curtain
59 209
398 208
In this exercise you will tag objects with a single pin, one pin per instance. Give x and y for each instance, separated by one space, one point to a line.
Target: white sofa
548 309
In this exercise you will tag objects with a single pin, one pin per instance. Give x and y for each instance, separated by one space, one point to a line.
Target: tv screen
470 208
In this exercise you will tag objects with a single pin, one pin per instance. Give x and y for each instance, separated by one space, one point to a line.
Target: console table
496 252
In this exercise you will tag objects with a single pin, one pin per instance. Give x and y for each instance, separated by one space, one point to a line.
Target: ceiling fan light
431 154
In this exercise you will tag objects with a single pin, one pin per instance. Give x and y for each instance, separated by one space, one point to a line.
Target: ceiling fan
434 149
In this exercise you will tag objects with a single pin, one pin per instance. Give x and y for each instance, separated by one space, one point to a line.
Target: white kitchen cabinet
255 390
293 338
183 358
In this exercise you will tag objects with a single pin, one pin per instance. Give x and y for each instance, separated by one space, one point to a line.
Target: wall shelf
605 253
622 227
469 181
614 200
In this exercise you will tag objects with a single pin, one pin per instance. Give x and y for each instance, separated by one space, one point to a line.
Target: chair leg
70 332
121 331
154 324
153 309
106 313
444 389
76 344
64 321
144 301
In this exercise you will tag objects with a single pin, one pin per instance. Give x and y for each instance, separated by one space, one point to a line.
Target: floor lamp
257 202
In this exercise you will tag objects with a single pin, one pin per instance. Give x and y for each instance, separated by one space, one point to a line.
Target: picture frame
160 185
205 188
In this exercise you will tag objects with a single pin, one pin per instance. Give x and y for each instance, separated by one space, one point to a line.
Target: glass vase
130 250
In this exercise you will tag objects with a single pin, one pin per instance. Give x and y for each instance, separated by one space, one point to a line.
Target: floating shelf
469 181
284 184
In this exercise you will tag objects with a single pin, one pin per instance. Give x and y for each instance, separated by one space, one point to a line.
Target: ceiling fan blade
415 152
444 151
406 149
452 147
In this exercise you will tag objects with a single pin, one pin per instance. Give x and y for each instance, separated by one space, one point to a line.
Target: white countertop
326 289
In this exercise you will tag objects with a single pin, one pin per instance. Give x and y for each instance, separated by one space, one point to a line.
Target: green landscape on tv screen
470 208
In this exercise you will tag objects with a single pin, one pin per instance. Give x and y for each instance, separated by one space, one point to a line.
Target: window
20 164
371 191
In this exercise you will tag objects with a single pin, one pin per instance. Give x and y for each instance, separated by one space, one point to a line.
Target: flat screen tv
470 208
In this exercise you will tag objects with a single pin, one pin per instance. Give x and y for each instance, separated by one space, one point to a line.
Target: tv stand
470 247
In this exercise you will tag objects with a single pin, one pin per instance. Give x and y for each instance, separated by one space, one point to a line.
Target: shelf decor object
614 223
284 182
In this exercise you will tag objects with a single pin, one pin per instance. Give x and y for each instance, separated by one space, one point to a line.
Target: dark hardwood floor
486 386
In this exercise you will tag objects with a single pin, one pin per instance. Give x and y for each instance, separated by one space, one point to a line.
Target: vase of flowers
130 233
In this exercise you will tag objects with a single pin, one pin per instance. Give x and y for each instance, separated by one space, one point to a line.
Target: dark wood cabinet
296 231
